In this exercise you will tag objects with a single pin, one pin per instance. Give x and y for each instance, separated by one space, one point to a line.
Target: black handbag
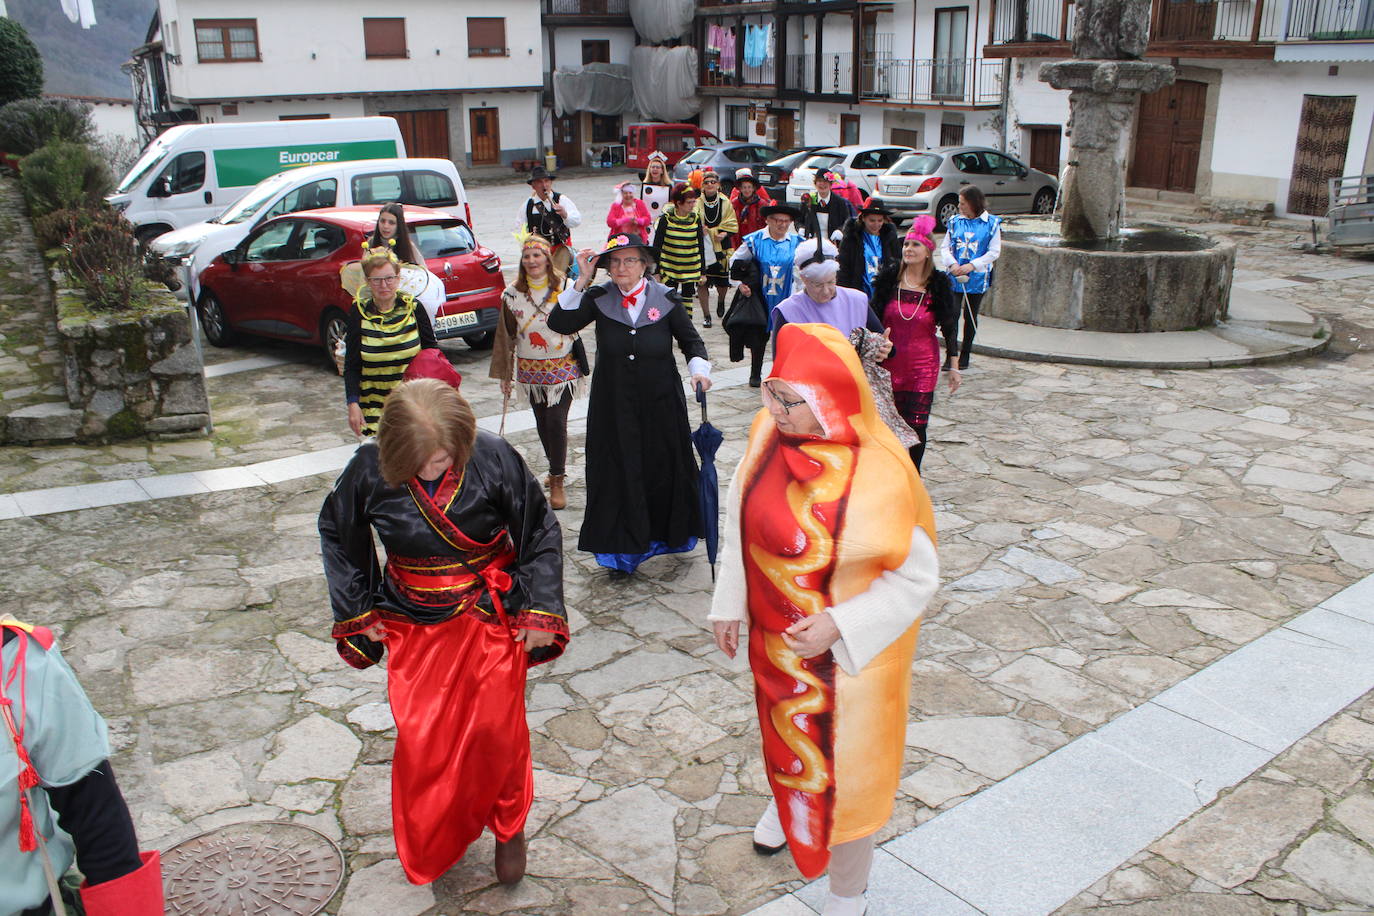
579 352
746 313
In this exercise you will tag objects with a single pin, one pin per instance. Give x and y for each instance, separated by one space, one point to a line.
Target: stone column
1103 95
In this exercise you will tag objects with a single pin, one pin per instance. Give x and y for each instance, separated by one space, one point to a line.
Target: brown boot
510 859
558 499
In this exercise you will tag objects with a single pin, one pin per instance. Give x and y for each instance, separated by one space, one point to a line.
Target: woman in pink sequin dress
913 298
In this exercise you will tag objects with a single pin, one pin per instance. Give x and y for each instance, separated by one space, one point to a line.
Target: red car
282 280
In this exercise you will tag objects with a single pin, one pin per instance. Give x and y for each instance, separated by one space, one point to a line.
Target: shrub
103 260
21 66
118 151
54 229
64 176
30 124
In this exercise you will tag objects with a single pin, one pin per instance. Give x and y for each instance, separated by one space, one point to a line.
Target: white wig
807 265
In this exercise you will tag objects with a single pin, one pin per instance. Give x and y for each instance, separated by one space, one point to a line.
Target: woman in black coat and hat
869 244
642 475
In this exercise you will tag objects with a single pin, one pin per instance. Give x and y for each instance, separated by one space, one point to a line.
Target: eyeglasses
783 402
381 281
613 263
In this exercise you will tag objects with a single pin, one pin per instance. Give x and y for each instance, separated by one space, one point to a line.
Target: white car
862 166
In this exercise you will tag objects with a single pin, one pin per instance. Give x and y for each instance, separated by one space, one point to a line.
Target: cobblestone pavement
1103 535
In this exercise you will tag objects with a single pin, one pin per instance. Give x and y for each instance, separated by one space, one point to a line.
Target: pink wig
920 231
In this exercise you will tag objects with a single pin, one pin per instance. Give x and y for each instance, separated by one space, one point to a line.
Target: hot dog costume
840 523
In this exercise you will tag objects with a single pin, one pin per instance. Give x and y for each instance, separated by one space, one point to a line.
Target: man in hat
869 244
550 215
824 213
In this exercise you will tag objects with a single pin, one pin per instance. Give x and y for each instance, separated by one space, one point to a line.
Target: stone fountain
1088 271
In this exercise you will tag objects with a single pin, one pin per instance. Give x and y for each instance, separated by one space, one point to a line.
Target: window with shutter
384 37
486 36
226 40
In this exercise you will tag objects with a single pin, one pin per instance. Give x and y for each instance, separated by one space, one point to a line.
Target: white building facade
577 34
461 79
1271 99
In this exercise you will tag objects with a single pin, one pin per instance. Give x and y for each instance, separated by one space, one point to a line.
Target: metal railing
1217 20
950 81
737 74
586 7
1351 210
1020 21
836 77
1330 20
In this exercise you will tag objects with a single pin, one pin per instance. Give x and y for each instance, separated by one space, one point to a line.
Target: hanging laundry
753 47
727 50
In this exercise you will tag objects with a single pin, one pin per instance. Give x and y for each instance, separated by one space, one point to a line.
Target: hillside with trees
79 61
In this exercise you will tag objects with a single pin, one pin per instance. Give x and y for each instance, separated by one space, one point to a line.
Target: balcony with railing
1330 20
969 81
735 74
1194 28
836 77
733 61
587 10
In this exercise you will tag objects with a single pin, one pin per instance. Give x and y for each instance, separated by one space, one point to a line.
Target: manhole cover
266 868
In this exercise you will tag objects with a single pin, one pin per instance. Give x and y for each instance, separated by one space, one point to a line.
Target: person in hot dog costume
829 554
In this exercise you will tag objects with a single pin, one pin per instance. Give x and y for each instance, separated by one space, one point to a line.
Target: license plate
765 177
896 189
449 322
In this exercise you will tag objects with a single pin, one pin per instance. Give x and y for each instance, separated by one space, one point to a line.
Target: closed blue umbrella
707 439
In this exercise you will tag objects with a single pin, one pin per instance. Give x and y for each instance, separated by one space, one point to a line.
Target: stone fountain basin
1151 279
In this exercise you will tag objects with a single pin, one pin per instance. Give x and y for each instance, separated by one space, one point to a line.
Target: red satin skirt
462 761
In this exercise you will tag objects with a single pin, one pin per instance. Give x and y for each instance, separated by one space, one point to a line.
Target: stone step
41 423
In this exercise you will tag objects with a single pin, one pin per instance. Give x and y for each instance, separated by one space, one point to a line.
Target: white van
193 171
432 183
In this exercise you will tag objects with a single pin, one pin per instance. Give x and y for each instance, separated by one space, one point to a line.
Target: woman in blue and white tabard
763 263
973 242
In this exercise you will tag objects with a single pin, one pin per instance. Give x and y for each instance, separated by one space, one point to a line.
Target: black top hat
620 243
539 172
782 209
874 206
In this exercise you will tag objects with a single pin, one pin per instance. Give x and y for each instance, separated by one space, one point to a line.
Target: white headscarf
816 271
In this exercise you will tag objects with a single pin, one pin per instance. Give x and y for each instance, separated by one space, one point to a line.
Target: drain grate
265 868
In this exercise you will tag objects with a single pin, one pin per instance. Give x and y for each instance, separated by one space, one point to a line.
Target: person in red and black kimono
470 597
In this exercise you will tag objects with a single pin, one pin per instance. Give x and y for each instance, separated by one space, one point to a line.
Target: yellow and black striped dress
678 246
379 348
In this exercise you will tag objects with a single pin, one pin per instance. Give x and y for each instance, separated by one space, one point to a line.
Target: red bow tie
628 300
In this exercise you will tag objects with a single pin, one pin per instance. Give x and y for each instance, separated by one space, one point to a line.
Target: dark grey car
725 159
929 182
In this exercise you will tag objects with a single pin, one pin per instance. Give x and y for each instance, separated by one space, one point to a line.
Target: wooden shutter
384 37
486 37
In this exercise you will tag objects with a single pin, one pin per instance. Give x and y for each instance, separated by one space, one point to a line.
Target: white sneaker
768 835
845 906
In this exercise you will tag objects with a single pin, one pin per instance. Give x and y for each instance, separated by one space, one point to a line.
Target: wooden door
567 139
425 132
1320 153
787 131
485 135
1044 149
1186 20
1168 137
849 130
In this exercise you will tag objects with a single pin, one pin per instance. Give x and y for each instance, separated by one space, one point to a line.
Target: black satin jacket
495 492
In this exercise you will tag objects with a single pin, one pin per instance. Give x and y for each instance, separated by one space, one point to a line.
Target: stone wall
132 373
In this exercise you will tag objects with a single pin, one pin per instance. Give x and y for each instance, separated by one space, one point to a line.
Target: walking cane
505 405
968 311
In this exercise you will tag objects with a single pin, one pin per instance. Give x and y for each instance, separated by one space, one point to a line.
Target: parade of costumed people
549 367
642 475
748 201
825 213
655 187
973 242
59 801
470 597
387 327
391 231
680 247
550 215
628 214
870 243
914 298
764 263
718 218
821 299
829 556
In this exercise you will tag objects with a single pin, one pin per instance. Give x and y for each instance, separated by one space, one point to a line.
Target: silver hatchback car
929 182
